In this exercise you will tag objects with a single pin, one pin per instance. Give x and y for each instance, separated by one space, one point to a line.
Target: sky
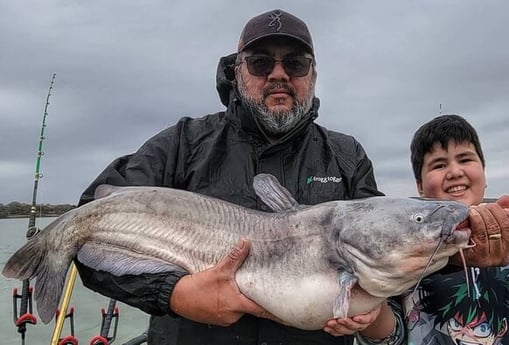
127 69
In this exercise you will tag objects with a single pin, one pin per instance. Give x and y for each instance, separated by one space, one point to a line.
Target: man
268 88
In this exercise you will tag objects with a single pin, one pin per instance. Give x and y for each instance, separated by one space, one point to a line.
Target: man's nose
278 72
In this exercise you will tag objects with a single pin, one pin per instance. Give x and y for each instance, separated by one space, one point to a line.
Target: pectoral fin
342 302
120 262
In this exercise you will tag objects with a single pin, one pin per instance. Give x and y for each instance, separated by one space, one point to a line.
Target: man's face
456 174
278 99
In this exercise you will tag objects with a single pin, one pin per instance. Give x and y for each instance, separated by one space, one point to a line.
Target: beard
276 122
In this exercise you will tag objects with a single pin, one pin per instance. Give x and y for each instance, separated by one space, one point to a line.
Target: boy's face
453 174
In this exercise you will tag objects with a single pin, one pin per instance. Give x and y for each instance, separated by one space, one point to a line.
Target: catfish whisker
435 210
464 262
428 264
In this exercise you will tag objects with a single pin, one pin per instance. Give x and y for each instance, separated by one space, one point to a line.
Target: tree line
17 209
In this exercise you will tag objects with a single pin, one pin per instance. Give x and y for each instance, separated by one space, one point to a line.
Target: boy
450 307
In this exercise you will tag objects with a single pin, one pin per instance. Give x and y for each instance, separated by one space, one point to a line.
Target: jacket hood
225 76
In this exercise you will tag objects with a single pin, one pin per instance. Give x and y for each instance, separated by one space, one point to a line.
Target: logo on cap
275 19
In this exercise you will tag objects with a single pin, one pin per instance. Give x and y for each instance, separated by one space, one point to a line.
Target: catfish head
390 244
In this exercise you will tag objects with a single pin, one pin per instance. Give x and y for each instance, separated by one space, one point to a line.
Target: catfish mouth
463 225
460 234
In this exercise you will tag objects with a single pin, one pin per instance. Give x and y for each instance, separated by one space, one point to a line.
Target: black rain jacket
218 155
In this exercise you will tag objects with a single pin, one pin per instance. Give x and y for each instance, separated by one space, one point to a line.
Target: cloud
126 70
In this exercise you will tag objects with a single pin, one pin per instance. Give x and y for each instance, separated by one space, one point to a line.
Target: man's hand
490 235
212 296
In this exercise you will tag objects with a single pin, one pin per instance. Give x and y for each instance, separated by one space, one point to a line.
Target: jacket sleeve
154 164
357 169
364 184
398 335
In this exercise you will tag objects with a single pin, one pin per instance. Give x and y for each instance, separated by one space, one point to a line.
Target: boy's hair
442 129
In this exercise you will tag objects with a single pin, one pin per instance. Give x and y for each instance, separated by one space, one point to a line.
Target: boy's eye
437 166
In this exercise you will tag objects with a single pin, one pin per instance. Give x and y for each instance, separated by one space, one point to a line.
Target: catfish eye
418 218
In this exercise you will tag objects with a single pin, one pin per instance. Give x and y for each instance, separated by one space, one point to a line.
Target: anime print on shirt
450 312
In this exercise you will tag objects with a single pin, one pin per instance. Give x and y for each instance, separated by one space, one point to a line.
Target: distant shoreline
20 216
14 210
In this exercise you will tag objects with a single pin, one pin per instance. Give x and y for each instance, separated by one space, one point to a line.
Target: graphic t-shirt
445 310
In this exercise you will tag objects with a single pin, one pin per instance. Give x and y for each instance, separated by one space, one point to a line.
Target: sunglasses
262 65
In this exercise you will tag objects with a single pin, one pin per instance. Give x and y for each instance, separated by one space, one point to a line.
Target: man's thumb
237 255
503 201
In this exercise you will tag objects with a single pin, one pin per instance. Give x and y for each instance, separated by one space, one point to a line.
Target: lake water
87 304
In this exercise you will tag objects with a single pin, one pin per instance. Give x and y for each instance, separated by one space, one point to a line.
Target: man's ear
419 188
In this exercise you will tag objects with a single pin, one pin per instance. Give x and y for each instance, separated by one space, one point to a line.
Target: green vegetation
17 209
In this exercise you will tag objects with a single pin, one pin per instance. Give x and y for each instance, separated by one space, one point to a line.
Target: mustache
278 86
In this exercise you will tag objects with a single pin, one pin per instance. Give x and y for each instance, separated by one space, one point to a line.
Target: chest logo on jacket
323 179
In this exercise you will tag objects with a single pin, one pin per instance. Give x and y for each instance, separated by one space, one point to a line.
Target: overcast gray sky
127 69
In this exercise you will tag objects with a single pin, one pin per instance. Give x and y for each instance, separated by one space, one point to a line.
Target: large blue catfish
307 264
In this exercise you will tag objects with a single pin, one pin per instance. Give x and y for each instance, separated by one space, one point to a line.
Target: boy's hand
349 326
490 233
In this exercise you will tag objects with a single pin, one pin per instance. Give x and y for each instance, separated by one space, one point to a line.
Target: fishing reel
32 231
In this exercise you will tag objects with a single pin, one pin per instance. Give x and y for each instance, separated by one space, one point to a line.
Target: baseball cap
275 23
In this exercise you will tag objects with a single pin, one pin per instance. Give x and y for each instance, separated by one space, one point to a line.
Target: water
87 304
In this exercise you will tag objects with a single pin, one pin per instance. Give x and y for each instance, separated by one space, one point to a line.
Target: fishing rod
24 315
62 313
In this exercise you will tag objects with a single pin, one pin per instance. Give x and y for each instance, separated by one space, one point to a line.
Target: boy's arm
490 234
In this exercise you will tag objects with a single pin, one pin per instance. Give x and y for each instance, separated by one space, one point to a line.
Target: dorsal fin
273 194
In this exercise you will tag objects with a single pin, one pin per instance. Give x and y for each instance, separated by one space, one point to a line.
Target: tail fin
24 263
48 289
34 260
